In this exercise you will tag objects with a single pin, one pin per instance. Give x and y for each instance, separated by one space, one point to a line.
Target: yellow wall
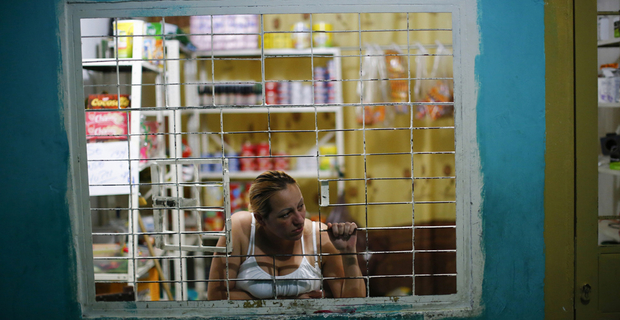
399 141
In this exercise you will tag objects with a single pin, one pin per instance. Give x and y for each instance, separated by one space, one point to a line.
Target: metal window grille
341 119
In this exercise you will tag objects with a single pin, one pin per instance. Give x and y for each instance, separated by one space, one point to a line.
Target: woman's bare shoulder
242 222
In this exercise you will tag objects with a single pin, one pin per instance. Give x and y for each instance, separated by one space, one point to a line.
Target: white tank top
260 284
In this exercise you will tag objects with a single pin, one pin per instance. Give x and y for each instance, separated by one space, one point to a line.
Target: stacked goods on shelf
224 32
609 84
239 196
271 92
124 32
252 157
149 145
153 44
321 35
214 197
301 93
301 38
231 94
107 125
324 90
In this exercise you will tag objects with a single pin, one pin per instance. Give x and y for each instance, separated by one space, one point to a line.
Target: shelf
605 169
124 276
609 43
269 52
609 105
247 175
110 65
262 109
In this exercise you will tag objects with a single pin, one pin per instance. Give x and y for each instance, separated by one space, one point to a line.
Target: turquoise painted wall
38 266
37 270
511 134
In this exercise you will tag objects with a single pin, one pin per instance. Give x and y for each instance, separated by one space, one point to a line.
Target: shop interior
182 113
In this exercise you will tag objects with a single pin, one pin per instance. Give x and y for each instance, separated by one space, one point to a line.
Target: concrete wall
38 264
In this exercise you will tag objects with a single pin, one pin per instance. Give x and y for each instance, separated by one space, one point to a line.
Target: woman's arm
342 239
216 290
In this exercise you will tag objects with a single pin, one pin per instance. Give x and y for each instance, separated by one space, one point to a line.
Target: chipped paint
253 304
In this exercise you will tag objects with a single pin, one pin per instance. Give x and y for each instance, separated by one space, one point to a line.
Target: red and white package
281 162
264 162
106 125
248 150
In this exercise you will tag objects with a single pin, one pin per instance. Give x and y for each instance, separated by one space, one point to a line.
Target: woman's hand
316 294
343 235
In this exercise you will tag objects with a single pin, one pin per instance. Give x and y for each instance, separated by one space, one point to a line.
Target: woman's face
288 214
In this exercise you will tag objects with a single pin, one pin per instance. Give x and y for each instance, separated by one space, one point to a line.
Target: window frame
470 260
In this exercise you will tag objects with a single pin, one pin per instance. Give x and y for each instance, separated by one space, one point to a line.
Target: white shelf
262 109
609 105
125 276
609 43
604 168
155 113
246 175
269 52
110 64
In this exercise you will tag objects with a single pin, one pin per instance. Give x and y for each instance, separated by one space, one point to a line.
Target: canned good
233 161
271 92
321 38
248 150
301 39
281 162
264 160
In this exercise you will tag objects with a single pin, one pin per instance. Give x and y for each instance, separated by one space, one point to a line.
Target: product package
124 30
609 84
397 72
149 146
224 32
321 35
374 92
153 42
439 90
107 125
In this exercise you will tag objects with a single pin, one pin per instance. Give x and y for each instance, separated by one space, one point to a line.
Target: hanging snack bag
433 91
397 72
371 90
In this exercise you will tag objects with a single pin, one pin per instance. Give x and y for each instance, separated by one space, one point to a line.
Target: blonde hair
264 187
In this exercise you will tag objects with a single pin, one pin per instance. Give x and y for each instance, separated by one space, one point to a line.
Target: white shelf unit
609 43
137 68
609 105
191 76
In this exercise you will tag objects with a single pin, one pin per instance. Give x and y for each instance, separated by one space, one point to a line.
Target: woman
275 238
